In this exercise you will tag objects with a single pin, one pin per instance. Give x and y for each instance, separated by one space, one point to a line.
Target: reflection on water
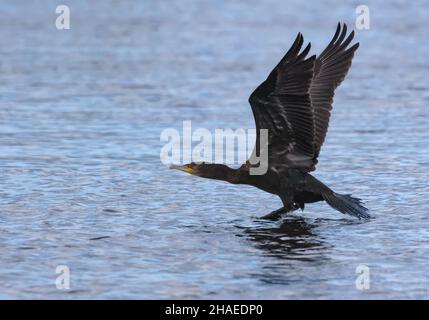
293 239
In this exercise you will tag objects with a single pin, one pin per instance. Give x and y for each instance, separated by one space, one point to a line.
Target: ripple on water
83 186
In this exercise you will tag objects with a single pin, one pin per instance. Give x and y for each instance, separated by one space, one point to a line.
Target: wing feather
282 105
295 101
330 69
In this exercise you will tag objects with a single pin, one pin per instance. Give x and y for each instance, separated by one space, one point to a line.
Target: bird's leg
275 215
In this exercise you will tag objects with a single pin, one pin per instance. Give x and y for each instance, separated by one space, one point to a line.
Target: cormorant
294 104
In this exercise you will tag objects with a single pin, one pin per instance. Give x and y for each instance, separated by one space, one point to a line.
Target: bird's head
205 170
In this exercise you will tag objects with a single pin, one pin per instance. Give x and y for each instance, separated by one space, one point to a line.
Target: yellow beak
182 168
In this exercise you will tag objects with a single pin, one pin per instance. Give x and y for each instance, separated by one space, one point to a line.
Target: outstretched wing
330 69
282 105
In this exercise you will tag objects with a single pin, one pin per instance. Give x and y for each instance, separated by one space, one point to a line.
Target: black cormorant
294 104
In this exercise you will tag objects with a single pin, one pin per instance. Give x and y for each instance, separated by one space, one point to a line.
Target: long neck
221 172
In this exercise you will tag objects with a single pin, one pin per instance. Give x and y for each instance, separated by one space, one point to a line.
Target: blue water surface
82 184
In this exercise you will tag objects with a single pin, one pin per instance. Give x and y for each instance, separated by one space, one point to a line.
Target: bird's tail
345 203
